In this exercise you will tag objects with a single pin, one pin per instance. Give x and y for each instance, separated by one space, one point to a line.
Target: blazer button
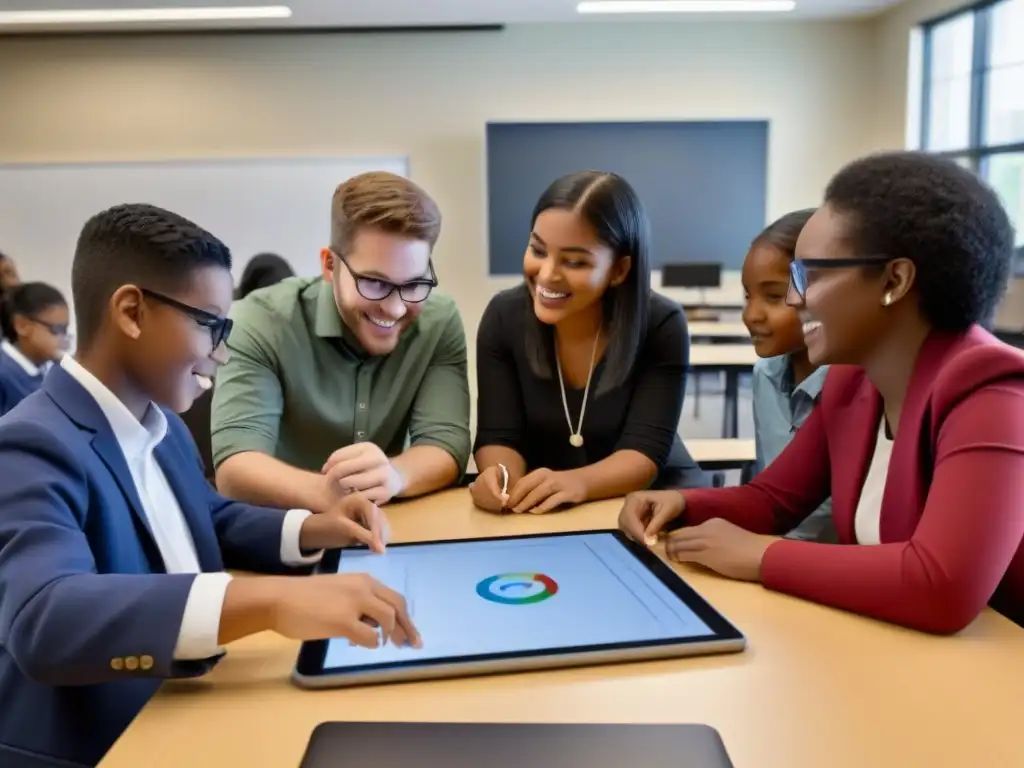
145 662
131 663
117 664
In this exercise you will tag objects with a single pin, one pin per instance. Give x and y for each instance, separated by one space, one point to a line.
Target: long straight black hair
612 207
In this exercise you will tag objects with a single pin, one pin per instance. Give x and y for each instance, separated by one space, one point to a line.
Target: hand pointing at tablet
354 606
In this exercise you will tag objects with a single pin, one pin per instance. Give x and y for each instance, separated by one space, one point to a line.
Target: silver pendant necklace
576 436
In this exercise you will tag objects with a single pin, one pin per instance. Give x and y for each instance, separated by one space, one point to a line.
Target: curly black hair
136 244
940 216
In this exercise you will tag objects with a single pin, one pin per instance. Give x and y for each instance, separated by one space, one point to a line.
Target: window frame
977 152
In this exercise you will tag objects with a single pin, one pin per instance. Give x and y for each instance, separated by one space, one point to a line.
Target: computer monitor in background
692 274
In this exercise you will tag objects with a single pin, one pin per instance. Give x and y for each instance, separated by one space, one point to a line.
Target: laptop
514 745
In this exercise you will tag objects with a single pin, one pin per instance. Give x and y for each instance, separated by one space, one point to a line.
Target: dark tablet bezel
312 653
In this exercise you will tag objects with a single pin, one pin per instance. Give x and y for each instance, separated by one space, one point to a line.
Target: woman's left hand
544 490
721 546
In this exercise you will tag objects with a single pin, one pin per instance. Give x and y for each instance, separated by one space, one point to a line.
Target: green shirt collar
327 322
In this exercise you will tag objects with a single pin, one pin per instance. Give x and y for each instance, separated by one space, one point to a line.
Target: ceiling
398 13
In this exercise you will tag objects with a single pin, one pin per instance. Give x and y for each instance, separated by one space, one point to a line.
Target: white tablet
520 603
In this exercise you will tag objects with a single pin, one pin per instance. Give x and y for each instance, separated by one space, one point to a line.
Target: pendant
576 440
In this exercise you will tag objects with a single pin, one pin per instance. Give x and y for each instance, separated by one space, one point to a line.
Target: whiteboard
281 205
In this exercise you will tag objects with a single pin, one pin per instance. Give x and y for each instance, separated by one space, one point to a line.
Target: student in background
113 548
786 383
581 370
263 271
34 323
352 380
918 436
8 273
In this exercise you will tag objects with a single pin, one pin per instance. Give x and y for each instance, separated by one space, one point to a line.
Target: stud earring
887 299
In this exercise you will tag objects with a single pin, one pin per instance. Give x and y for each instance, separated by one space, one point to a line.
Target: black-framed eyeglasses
53 328
220 327
799 268
58 331
374 288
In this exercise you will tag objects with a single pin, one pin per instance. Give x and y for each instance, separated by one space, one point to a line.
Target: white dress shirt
15 354
868 519
200 624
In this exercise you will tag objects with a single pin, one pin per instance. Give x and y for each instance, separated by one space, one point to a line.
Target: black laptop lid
514 745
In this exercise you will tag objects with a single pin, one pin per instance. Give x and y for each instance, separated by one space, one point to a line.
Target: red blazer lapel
911 464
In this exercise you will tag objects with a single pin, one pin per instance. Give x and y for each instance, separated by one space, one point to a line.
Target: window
949 73
1006 174
972 95
1004 113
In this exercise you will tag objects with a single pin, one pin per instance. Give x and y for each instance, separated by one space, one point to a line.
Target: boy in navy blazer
112 544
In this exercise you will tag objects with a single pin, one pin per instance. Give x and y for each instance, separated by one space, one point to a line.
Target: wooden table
817 688
732 360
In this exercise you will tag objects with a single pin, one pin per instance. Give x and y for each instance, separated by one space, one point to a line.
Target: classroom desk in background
717 454
718 333
816 688
732 360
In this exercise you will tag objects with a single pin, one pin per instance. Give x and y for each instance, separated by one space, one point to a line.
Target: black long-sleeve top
520 410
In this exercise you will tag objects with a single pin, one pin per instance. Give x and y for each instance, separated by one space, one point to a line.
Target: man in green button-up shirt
352 381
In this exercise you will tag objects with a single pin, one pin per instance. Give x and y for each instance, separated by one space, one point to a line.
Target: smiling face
843 310
567 269
374 262
774 326
168 353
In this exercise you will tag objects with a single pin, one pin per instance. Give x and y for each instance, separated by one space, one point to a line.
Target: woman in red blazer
919 432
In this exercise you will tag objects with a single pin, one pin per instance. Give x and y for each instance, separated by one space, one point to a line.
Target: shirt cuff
200 623
291 532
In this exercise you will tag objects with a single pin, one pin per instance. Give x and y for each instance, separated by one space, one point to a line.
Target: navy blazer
84 594
15 383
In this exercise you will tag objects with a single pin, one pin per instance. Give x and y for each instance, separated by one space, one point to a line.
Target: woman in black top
581 370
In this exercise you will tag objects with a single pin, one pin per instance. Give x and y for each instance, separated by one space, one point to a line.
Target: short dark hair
783 233
384 201
136 244
940 216
613 208
27 300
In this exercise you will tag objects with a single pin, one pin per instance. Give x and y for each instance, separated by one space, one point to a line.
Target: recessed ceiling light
135 15
686 6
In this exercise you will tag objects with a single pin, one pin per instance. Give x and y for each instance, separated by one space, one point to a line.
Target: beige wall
832 91
430 95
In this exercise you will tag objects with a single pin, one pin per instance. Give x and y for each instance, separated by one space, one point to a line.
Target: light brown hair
386 202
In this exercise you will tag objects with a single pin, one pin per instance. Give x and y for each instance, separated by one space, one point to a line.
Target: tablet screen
473 598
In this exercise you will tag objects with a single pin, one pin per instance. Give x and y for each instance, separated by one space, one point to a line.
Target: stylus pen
504 482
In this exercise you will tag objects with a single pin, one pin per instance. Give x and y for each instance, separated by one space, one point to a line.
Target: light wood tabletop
816 687
702 329
722 356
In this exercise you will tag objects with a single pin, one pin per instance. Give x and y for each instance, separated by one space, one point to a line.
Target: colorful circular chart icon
517 588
